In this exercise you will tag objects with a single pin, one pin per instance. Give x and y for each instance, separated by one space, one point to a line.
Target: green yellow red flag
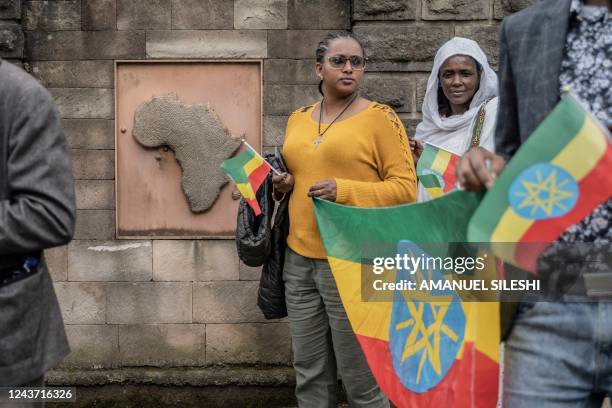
436 170
557 178
423 353
248 170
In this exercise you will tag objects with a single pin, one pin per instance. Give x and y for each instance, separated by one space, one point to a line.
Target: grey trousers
323 340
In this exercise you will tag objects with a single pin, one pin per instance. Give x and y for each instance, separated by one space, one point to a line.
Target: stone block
274 130
248 343
144 14
85 45
284 99
95 224
290 71
52 15
421 89
84 103
486 36
319 14
202 14
260 14
92 347
89 133
410 124
57 263
393 90
268 150
252 273
503 8
74 74
384 9
95 194
399 66
294 44
163 345
456 10
207 44
11 40
82 302
10 9
93 164
182 260
91 261
226 302
399 43
98 14
150 302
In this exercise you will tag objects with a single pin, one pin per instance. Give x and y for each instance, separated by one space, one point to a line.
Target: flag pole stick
255 151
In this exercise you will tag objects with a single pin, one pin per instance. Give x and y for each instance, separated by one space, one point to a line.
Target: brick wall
191 303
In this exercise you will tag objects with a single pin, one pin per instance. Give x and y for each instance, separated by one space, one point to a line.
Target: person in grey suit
37 211
557 354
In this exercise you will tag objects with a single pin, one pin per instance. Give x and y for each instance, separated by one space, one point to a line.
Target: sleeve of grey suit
507 137
40 211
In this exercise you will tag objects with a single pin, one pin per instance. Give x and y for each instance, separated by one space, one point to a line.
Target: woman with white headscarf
460 105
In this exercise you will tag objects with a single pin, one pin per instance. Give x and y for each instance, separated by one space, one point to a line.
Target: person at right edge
558 354
37 211
352 151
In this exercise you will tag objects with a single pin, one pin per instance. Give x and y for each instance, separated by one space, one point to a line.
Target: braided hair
324 46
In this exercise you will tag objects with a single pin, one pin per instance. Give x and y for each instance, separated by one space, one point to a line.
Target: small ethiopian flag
436 170
248 170
556 179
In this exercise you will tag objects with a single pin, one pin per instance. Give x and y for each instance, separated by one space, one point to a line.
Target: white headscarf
453 133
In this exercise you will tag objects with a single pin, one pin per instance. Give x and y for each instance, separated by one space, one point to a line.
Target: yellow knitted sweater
367 155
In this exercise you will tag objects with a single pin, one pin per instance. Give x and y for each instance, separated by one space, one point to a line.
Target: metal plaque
175 122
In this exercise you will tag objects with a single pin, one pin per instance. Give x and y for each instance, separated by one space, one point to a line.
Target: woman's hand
324 189
282 183
416 148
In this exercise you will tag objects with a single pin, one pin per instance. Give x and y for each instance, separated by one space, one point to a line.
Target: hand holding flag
436 170
248 170
556 179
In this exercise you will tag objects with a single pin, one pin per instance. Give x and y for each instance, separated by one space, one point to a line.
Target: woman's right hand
416 148
283 183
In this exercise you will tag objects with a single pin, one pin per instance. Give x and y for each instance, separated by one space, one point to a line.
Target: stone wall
11 33
166 303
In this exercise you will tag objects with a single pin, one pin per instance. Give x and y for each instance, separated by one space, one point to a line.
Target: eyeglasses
339 61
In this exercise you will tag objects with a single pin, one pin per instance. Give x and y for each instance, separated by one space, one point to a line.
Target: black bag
271 294
253 232
259 242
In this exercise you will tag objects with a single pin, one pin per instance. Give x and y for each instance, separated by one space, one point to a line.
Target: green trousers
323 341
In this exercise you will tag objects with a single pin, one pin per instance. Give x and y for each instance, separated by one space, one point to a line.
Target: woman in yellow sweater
351 151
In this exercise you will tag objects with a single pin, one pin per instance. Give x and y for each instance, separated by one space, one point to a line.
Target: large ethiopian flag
422 353
558 177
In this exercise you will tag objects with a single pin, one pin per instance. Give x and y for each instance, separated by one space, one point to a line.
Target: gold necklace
319 139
